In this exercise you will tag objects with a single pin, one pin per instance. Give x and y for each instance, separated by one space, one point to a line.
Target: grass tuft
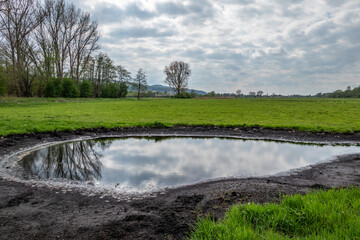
333 214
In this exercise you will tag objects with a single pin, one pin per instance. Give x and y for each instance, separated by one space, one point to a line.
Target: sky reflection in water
141 163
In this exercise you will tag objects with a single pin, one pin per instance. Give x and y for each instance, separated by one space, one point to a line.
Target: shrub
85 89
183 95
110 90
53 88
123 90
49 90
69 89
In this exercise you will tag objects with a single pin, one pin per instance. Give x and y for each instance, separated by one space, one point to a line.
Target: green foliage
53 88
85 88
49 90
123 90
110 90
348 93
69 89
114 90
211 94
332 214
21 115
183 95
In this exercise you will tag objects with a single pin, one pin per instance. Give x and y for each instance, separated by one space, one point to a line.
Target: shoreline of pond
33 211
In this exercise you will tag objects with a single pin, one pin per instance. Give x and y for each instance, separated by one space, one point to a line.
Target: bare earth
33 212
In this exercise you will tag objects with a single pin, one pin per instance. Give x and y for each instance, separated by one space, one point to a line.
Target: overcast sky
278 46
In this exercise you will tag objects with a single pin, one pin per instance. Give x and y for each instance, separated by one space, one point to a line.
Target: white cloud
278 46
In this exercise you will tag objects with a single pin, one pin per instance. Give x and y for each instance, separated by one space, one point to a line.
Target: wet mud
32 211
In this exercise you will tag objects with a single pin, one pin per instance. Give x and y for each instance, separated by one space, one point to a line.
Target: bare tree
109 70
123 74
140 83
62 43
18 18
100 70
98 74
42 39
259 93
42 55
89 71
83 45
56 29
238 93
72 37
2 5
177 74
252 94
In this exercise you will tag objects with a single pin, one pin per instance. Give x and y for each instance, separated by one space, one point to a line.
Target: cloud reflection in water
139 163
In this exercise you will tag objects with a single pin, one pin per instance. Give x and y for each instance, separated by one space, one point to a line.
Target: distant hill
161 88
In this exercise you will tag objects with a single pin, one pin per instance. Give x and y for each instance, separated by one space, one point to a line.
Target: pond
139 164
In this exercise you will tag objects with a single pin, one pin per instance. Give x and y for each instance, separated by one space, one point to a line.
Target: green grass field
332 214
20 115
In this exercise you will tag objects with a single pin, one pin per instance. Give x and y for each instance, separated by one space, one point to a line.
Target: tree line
347 93
50 49
43 41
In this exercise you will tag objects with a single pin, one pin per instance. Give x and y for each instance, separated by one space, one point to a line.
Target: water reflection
73 161
139 163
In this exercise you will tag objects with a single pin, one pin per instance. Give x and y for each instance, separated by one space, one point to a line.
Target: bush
69 89
86 90
53 88
49 90
123 90
183 95
110 90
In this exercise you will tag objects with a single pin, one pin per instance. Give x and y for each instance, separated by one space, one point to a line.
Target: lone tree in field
140 82
177 74
238 93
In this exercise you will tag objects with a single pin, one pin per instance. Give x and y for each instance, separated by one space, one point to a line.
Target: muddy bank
33 212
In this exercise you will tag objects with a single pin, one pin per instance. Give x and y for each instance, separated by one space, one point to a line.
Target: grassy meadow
29 115
329 215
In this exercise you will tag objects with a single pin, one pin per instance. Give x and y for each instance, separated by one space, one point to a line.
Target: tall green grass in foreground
29 115
333 214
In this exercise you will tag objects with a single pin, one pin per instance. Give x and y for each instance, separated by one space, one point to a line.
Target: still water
153 163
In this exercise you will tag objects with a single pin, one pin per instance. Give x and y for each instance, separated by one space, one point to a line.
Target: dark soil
33 212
